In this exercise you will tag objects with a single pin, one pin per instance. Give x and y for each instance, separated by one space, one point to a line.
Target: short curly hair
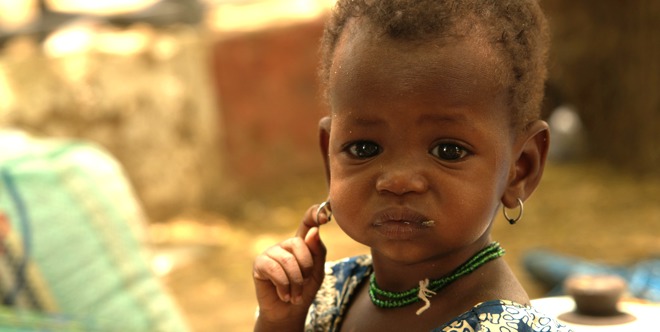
517 29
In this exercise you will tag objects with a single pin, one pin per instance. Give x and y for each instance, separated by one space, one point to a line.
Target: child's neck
492 281
398 276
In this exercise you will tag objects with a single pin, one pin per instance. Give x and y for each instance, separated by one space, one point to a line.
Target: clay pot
595 295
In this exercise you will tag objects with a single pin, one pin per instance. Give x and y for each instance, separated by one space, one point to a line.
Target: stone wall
152 108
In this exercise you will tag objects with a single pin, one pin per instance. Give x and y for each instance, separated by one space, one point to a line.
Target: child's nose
402 180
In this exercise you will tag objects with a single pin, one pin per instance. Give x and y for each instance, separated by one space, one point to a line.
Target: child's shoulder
342 278
492 315
355 265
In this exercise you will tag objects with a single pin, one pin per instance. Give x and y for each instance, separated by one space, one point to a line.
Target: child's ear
324 140
526 172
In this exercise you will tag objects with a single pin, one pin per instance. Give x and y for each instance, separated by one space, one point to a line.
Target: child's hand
288 275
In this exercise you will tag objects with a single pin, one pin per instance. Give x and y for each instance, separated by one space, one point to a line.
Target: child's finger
310 220
269 273
293 272
298 247
304 257
315 244
318 251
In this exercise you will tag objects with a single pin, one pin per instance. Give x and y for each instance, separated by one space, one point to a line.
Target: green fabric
84 237
22 320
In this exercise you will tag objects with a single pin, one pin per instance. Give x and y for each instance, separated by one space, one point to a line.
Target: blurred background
210 107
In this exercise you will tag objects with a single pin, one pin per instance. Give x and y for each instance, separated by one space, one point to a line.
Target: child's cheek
339 196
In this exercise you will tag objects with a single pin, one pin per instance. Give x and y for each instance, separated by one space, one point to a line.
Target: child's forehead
458 66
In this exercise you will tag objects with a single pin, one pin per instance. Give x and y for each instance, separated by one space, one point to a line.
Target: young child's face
419 132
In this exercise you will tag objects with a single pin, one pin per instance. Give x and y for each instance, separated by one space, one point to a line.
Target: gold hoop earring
520 213
325 206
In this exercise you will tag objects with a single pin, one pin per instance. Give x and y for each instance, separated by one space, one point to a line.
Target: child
434 124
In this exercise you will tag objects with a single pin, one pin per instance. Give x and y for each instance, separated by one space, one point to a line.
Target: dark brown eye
449 152
364 149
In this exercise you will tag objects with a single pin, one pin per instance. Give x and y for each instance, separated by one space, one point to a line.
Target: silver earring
325 206
520 213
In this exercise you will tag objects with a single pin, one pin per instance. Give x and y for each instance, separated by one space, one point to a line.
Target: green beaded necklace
385 299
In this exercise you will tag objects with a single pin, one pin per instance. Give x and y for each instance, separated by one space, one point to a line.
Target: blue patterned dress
343 277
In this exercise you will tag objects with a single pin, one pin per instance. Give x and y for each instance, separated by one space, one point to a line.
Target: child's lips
401 223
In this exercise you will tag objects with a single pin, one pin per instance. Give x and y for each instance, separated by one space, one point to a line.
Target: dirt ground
586 210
